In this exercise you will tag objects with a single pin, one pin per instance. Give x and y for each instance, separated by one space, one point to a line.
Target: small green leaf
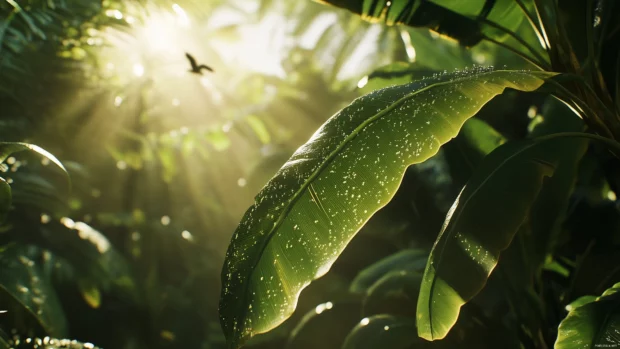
593 324
410 259
556 267
383 331
306 215
480 224
91 294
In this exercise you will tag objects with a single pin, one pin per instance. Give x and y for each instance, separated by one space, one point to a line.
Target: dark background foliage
163 163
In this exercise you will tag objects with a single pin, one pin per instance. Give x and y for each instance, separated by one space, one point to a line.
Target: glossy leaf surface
351 167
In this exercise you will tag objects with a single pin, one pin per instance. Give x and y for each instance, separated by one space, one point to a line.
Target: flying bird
197 69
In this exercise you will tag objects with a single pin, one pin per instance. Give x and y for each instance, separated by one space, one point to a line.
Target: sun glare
138 69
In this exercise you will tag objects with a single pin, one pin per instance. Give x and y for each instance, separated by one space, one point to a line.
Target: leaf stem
537 5
590 37
610 143
585 84
533 23
531 60
588 113
618 84
537 55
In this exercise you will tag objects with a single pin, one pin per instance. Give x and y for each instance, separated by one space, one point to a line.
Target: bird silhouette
197 69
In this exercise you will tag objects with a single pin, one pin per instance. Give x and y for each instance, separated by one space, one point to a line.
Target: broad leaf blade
352 166
480 224
593 324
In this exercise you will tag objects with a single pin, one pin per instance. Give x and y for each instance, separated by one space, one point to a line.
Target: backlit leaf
351 167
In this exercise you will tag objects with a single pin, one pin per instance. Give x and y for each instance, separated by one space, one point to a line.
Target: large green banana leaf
458 19
350 168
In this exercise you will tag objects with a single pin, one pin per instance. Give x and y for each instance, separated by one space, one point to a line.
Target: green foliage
508 240
593 322
464 21
314 222
163 163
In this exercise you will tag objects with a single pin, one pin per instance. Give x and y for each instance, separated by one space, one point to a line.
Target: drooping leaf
382 331
305 216
28 294
461 20
410 259
594 324
481 223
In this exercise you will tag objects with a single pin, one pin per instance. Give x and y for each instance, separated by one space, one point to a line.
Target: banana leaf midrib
282 216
